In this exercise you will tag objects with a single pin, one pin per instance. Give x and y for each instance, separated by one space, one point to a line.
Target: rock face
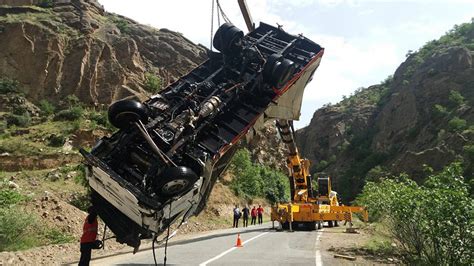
74 47
424 115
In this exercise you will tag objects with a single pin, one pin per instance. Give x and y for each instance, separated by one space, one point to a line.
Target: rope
222 12
167 237
153 248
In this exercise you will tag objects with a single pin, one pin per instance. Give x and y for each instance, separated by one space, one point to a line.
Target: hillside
422 116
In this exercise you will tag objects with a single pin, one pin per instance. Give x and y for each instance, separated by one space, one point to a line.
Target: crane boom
246 14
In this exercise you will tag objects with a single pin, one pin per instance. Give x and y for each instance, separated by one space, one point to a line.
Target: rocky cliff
422 116
60 47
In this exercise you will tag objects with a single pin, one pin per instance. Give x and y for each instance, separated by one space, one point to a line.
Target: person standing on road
236 216
245 214
260 214
89 235
253 213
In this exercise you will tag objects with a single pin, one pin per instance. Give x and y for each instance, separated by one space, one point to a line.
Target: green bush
252 180
9 85
23 120
457 124
10 197
121 24
70 114
56 140
45 3
432 222
439 110
456 98
46 108
101 118
15 230
153 83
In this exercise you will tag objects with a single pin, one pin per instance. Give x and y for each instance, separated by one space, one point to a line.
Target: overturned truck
161 165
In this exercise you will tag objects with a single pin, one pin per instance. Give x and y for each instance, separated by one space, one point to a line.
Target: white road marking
230 250
318 260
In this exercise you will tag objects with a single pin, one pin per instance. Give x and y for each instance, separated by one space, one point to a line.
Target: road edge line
229 250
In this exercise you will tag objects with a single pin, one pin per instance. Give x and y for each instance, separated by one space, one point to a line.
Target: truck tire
312 225
278 71
330 224
124 112
174 181
227 38
320 225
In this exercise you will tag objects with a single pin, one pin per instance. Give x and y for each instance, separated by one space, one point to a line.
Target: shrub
252 180
457 124
439 110
10 197
15 230
121 24
56 140
456 98
9 85
101 118
70 114
45 3
433 221
23 120
153 83
46 107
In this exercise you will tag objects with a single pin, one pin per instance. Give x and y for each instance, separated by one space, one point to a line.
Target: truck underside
161 165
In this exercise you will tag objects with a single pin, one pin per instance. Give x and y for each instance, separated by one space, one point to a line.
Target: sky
365 41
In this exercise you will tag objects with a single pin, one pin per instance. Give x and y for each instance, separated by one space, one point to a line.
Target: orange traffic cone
239 241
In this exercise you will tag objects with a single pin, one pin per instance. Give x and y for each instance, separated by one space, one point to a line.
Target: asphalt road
261 246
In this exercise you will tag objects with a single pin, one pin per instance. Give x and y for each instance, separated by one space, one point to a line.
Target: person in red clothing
260 214
89 235
253 213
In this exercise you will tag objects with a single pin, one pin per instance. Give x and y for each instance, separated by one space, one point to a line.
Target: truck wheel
312 226
124 112
336 224
278 70
330 224
285 226
227 38
320 225
174 181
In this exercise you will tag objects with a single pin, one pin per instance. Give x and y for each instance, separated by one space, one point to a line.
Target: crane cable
219 12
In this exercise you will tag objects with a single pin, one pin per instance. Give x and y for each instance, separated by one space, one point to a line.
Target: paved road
261 246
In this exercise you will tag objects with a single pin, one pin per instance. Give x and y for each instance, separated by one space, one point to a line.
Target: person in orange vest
260 214
89 235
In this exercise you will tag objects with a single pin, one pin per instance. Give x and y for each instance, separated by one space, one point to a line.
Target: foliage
457 124
72 100
456 98
23 230
122 24
9 85
439 110
22 120
71 114
80 177
10 197
100 118
252 180
45 3
153 83
46 107
56 140
432 222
